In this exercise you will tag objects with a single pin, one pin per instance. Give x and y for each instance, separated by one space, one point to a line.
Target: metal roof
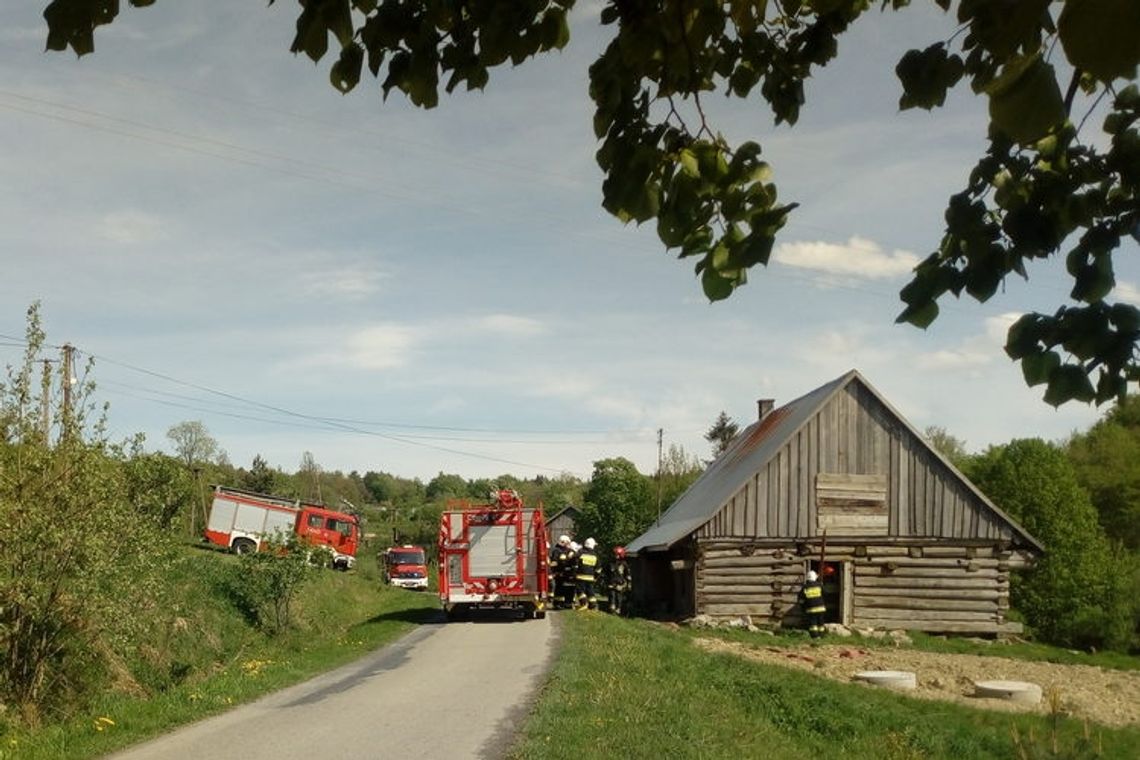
751 450
746 454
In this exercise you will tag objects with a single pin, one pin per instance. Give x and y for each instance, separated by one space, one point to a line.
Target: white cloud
509 324
344 282
131 227
858 258
997 327
1127 292
959 358
382 346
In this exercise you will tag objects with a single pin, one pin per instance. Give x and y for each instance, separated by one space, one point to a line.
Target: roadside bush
76 561
263 585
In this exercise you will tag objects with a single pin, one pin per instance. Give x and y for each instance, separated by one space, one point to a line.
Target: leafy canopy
1044 186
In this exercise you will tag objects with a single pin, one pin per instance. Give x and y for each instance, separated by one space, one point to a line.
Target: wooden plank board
861 580
879 613
851 481
992 595
915 603
840 521
870 571
736 610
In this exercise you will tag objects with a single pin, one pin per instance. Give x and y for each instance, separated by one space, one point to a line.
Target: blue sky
417 292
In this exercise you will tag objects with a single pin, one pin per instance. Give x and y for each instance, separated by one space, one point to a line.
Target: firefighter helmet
590 543
564 540
811 576
619 552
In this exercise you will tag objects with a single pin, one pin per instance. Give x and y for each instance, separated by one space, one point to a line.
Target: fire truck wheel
244 546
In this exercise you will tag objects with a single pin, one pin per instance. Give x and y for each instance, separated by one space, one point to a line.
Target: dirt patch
1109 697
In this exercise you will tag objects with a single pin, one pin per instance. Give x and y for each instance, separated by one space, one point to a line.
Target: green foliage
620 504
265 584
1037 189
947 445
445 486
77 555
1075 594
721 433
158 486
193 444
1107 463
260 477
678 471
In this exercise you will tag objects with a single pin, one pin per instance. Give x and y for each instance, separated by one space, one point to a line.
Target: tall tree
619 504
949 446
1075 594
447 486
260 477
721 433
1046 184
1107 462
193 444
311 477
678 471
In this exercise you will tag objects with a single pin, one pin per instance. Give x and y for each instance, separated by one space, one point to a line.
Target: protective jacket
587 565
618 576
811 598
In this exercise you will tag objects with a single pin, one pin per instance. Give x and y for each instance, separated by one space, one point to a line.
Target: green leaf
345 73
1026 101
1068 383
1037 367
919 314
716 286
1102 37
689 163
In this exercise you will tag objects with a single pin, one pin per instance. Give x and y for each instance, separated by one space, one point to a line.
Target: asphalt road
446 690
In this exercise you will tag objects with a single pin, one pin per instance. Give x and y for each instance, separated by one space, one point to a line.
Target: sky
233 241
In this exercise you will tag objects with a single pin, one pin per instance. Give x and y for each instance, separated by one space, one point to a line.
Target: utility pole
660 438
45 401
68 380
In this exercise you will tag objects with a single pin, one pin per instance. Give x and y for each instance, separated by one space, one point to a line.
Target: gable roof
569 509
753 448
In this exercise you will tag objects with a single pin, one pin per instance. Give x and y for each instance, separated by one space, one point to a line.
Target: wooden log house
838 482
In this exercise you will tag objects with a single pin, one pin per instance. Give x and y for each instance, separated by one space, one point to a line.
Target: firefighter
586 575
618 581
811 602
562 567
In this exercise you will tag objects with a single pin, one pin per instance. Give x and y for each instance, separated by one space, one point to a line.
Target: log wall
939 588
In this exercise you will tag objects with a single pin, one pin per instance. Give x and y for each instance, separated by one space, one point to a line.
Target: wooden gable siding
855 434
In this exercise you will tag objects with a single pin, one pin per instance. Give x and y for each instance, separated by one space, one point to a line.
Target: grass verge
205 658
631 689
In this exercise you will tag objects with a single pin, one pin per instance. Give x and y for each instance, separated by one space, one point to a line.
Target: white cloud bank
858 258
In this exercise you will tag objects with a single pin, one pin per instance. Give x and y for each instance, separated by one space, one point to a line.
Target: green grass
206 658
631 689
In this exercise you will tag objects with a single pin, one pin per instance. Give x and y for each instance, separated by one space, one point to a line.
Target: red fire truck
406 567
493 556
243 521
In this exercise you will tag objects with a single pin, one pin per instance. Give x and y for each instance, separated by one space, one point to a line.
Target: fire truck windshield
407 558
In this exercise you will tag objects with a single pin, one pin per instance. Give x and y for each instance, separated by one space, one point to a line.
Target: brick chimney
764 406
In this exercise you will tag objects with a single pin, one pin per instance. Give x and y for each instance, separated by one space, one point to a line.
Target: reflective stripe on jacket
587 564
811 597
